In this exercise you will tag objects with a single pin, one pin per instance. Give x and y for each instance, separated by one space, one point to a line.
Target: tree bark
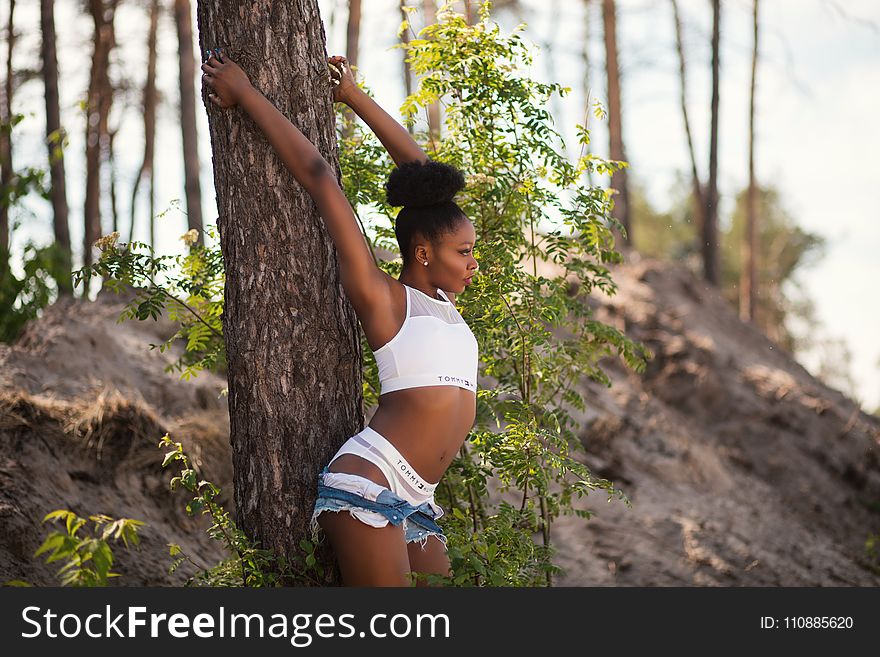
615 121
698 203
55 141
748 285
292 341
149 109
711 265
5 137
186 60
99 99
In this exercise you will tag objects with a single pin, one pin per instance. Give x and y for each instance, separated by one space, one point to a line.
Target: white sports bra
434 347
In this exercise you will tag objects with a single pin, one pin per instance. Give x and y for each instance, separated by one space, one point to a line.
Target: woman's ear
421 254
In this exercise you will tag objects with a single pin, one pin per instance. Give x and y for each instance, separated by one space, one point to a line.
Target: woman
384 477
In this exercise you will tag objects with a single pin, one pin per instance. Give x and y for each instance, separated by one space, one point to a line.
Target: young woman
383 478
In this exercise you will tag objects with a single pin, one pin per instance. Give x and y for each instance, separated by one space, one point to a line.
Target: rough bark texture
295 392
711 265
186 60
99 99
5 140
615 122
748 284
55 139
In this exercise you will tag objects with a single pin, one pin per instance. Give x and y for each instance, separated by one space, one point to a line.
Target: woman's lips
467 281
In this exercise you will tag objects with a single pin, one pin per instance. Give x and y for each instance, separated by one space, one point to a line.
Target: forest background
815 100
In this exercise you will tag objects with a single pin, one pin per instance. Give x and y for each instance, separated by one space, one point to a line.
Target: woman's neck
420 283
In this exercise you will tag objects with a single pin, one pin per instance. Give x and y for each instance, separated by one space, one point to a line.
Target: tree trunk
149 109
472 11
429 7
150 102
6 138
292 341
549 44
352 41
698 203
711 265
587 89
186 60
111 166
353 32
407 73
99 99
748 285
55 141
615 121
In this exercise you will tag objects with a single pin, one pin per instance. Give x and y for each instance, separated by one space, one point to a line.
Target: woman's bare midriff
427 425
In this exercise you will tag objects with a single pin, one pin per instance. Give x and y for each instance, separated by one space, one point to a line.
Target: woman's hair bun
417 184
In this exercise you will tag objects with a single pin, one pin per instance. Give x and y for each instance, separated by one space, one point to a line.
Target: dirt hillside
742 469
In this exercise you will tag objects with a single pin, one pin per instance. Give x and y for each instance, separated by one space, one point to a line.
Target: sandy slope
741 468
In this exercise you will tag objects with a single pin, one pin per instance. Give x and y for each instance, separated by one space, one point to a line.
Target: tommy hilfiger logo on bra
455 381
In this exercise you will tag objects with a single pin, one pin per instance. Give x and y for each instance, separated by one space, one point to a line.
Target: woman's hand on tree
341 78
225 79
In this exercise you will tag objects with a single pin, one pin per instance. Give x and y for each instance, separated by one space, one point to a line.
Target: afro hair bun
417 184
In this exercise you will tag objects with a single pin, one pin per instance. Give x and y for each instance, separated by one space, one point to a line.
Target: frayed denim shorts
375 505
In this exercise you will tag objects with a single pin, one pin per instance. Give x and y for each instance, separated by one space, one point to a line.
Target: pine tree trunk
352 45
149 111
353 32
98 109
407 73
429 7
711 265
5 139
615 121
698 203
292 341
54 140
587 88
748 269
186 59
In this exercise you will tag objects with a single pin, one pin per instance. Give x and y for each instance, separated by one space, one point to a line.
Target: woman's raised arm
364 283
394 137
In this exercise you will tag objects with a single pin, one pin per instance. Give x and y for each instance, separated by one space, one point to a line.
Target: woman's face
451 262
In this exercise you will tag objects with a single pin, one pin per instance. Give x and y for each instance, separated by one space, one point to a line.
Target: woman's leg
367 556
431 559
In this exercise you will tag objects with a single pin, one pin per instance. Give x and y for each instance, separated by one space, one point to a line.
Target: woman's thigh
432 559
367 556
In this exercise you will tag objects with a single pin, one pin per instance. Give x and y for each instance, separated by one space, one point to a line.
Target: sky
818 99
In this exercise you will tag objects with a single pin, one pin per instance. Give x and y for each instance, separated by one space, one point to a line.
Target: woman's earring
425 263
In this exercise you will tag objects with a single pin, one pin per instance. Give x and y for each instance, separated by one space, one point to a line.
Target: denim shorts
376 506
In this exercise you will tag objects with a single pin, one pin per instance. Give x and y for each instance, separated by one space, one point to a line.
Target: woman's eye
464 252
